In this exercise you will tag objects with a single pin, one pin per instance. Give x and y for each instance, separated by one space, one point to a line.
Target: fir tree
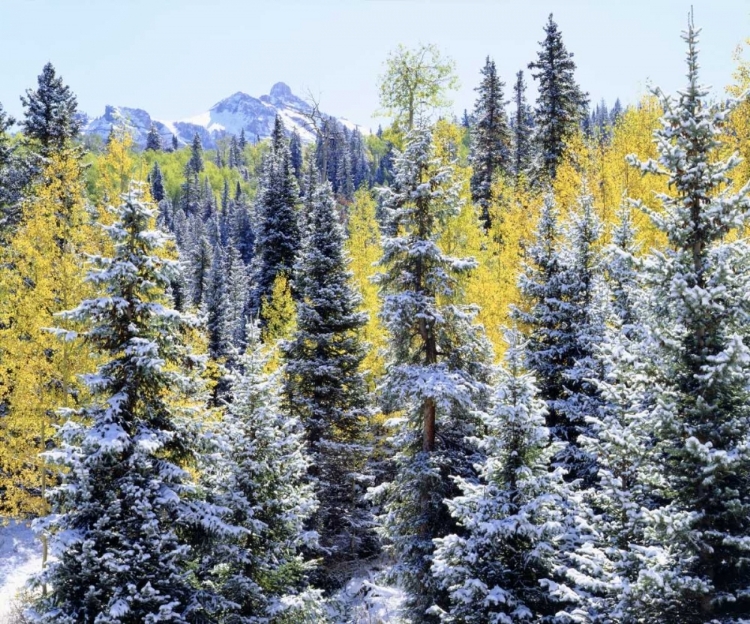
437 374
694 562
277 237
295 151
125 510
490 139
325 388
523 127
175 143
195 164
157 183
258 472
561 104
520 521
153 139
50 121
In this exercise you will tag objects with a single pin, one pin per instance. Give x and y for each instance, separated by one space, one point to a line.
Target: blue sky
177 58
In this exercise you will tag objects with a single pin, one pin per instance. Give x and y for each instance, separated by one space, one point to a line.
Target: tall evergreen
295 151
50 122
522 127
326 390
437 374
490 139
126 511
694 561
277 237
153 139
195 164
521 522
258 472
561 105
175 143
157 183
10 177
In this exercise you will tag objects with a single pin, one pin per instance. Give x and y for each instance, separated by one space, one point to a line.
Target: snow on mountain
231 115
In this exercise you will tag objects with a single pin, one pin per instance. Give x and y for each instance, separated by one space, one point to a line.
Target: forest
487 369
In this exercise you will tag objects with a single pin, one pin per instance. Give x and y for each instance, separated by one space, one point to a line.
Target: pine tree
242 142
175 143
490 139
157 183
694 563
153 139
326 390
437 372
195 164
519 521
50 121
10 176
277 236
125 512
258 472
561 104
522 127
295 151
563 290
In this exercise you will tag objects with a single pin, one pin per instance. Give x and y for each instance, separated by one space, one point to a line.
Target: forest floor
20 557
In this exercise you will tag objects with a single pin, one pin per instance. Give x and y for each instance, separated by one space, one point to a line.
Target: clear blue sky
177 58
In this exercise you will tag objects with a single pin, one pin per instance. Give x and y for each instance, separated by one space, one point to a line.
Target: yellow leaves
280 314
363 248
43 274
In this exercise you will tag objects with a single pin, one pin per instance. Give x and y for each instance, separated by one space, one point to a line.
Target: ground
20 557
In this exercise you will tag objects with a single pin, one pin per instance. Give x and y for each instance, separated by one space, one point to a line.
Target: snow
203 119
20 557
368 601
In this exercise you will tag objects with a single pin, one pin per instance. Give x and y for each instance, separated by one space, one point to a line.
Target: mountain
229 116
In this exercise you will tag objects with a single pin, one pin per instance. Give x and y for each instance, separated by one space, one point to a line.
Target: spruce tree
126 509
157 183
10 177
561 105
153 139
522 127
326 390
50 121
490 139
295 151
277 236
195 164
437 374
520 520
175 143
258 471
694 558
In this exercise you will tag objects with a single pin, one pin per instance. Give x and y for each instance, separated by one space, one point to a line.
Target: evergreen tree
694 563
562 286
295 151
195 164
126 510
50 120
157 183
175 143
437 374
10 177
490 139
561 105
523 128
153 139
326 390
277 237
258 473
242 142
520 520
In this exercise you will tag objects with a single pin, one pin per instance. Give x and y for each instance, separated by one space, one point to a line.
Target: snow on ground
20 557
367 600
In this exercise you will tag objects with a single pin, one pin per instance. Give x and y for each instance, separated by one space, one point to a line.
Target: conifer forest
478 368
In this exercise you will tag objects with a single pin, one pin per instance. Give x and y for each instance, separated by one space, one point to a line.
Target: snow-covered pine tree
519 521
522 127
695 558
123 514
153 139
490 139
50 121
295 152
10 178
258 470
565 311
326 390
438 371
277 236
561 105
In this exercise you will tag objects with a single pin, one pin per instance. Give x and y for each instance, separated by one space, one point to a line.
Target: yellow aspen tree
280 313
43 274
363 247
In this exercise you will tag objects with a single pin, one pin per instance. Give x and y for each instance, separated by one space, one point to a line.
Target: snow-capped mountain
229 116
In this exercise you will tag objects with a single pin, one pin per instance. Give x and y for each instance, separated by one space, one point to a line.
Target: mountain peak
281 90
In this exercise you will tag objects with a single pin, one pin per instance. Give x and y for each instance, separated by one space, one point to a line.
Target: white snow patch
204 119
20 557
367 600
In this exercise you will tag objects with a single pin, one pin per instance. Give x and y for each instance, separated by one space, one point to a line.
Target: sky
176 58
